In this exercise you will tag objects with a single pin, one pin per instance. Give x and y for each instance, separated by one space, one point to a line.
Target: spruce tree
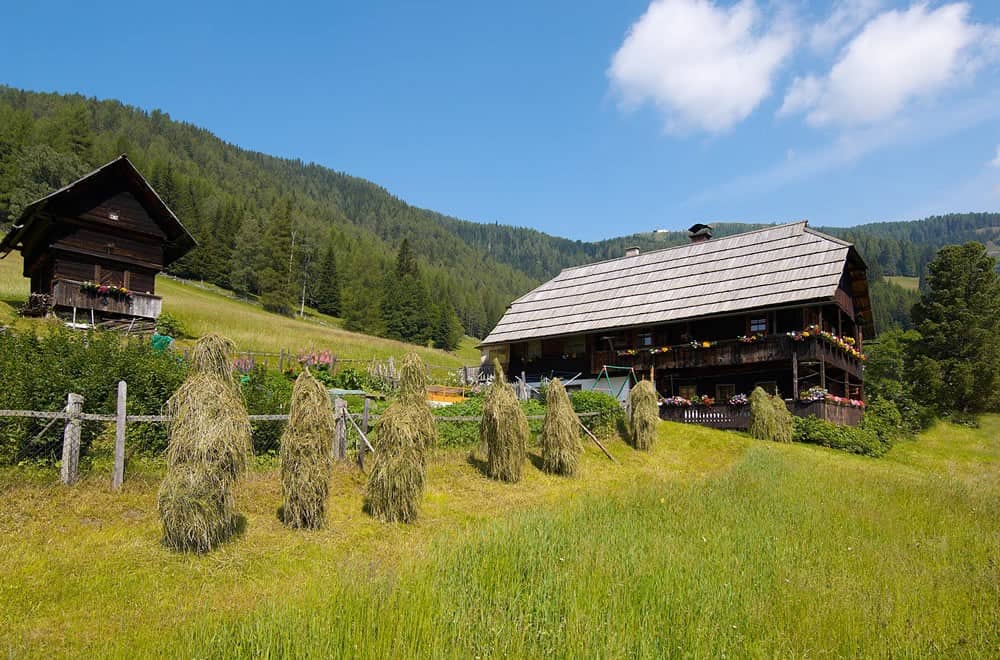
326 289
447 329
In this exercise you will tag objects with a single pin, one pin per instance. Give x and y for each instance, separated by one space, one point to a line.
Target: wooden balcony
727 353
67 294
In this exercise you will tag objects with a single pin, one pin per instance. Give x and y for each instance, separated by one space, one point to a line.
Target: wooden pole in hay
561 446
208 451
305 462
644 414
405 432
504 430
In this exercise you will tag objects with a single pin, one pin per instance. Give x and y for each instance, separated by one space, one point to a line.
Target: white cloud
899 56
705 66
844 20
996 161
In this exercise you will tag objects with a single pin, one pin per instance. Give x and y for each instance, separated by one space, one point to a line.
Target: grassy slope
710 544
208 309
910 283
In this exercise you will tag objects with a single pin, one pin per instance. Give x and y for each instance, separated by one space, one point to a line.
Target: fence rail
74 416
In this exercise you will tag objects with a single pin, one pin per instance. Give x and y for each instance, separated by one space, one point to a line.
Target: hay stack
208 451
561 444
645 414
196 509
397 479
504 430
769 417
413 391
305 454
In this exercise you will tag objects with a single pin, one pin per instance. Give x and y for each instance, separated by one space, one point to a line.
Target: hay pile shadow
770 418
645 414
305 455
208 452
504 430
403 435
561 445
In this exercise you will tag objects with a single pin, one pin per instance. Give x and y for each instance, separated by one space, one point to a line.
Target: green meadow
709 545
202 309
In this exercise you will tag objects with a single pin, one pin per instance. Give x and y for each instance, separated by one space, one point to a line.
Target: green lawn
910 283
204 309
709 545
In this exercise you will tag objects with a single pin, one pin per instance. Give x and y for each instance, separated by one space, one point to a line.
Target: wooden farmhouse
93 248
784 308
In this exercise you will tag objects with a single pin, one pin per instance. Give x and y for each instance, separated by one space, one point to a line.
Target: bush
856 440
169 325
466 434
38 370
883 418
266 393
610 414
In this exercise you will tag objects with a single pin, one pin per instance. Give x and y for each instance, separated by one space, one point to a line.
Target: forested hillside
290 232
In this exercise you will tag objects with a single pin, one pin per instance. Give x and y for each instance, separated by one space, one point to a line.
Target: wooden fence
74 417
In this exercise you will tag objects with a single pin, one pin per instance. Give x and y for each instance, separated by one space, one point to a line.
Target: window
758 325
688 391
646 339
768 386
724 392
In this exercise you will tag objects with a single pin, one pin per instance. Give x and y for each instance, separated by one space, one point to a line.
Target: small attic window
113 214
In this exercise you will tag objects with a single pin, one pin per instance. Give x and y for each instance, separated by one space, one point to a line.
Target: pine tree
277 283
956 363
447 329
406 304
247 256
326 289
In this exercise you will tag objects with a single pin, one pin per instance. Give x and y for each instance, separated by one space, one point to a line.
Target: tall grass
758 561
708 544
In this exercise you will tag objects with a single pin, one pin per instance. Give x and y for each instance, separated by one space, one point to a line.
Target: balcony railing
773 348
722 416
67 293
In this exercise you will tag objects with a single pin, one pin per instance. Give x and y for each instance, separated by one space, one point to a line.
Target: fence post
71 440
340 430
364 429
118 477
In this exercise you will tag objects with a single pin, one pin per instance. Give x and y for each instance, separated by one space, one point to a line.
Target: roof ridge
716 241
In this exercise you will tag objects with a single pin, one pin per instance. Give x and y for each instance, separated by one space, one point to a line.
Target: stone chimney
632 251
699 232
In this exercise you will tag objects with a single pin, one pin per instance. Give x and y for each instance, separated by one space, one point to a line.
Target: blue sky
586 120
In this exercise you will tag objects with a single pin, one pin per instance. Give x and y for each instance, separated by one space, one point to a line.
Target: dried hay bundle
413 393
769 417
504 430
209 450
305 454
561 446
645 414
209 427
210 355
398 470
412 378
196 509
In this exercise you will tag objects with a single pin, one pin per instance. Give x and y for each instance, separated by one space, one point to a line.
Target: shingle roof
777 265
179 240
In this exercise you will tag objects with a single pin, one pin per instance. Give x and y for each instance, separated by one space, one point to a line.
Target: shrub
645 414
305 455
561 444
38 370
266 393
883 418
609 411
504 431
769 417
170 326
856 440
466 434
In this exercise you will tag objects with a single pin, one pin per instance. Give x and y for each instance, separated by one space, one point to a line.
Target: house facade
93 248
785 308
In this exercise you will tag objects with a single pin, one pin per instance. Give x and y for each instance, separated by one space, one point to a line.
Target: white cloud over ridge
898 57
706 67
